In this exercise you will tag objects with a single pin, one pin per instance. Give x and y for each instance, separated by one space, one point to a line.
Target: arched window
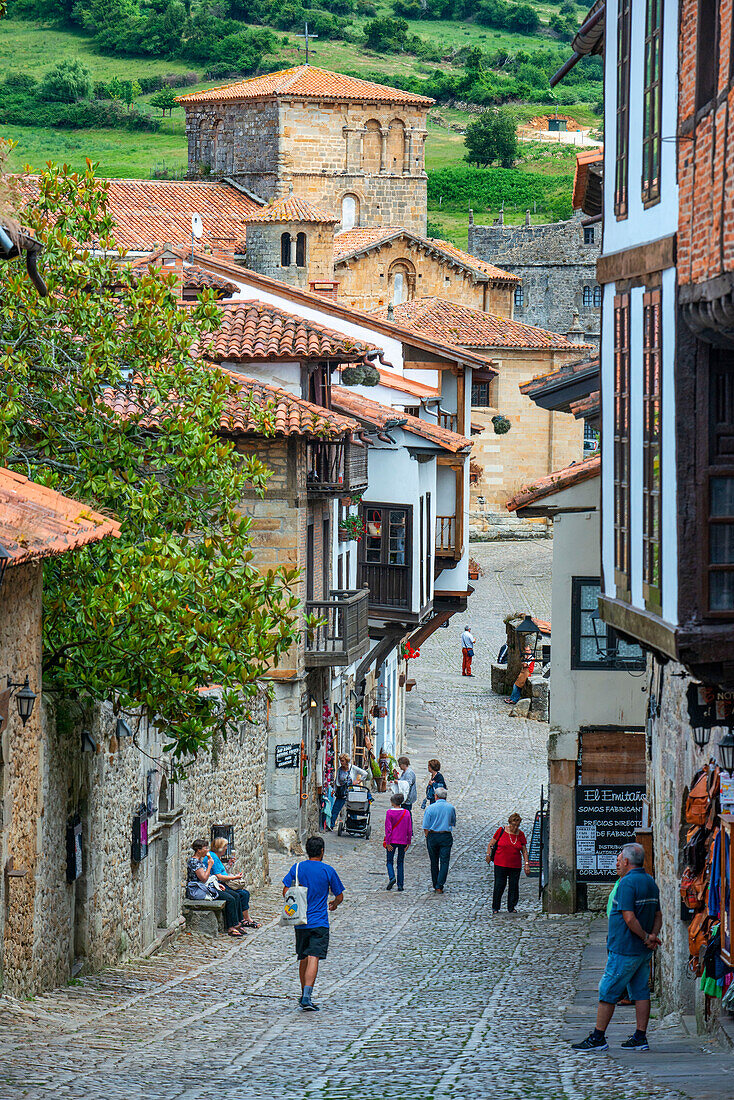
396 146
587 297
216 145
401 282
519 297
301 250
350 211
597 296
285 250
398 288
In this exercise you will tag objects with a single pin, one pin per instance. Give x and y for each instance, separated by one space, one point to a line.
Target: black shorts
312 941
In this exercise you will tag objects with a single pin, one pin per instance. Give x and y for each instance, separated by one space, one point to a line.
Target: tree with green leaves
164 100
67 82
104 399
492 137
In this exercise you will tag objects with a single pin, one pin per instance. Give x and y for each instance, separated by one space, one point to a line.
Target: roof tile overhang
588 41
306 82
291 208
37 522
352 244
588 408
588 182
555 483
384 416
557 390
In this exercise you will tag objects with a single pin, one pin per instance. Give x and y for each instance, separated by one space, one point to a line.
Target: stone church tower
293 241
351 147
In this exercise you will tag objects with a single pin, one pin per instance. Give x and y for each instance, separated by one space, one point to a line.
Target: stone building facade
557 265
349 146
293 241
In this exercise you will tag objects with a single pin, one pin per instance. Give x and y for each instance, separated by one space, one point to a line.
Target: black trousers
510 877
233 905
439 851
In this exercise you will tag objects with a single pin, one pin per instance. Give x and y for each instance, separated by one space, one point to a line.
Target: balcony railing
334 468
343 636
446 535
449 421
389 585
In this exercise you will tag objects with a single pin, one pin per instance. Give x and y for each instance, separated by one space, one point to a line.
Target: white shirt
467 639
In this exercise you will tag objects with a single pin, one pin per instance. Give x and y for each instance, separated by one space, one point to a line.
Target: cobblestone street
421 994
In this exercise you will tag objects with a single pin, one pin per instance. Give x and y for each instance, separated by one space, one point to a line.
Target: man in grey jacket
408 775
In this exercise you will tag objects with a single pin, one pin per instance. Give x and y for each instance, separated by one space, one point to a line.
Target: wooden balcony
389 585
343 637
335 468
446 536
450 421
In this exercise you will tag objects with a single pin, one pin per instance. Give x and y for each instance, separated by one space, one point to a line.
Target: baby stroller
357 813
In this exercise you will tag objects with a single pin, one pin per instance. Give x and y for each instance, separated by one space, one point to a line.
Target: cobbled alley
424 995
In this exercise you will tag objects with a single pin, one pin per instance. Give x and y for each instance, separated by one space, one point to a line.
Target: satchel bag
694 851
697 803
492 851
693 888
698 935
295 904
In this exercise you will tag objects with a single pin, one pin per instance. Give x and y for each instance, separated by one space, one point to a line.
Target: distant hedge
463 186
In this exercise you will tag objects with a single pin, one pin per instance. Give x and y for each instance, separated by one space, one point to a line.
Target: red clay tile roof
587 408
194 278
256 330
285 413
556 482
394 381
381 416
581 175
37 522
351 242
439 319
543 382
292 209
151 213
307 82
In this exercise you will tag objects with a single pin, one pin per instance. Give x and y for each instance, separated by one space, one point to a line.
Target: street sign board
607 818
534 847
287 756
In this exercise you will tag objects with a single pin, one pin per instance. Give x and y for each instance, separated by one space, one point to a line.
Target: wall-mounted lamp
24 698
88 742
122 729
313 704
5 559
726 751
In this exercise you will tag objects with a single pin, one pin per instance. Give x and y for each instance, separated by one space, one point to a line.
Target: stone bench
206 917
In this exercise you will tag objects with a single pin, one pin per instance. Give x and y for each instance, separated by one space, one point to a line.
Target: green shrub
67 82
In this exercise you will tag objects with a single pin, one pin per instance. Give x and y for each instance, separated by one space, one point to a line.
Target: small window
398 288
301 250
586 297
350 211
585 592
285 250
588 234
482 396
519 297
597 297
621 175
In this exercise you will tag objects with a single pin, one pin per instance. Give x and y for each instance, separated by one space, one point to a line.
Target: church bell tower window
285 250
301 250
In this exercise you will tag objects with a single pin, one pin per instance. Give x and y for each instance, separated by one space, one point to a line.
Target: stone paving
421 994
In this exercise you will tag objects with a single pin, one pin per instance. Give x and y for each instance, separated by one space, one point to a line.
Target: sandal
234 932
249 924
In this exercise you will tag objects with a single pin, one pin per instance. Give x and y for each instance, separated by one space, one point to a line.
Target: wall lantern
24 698
701 736
5 560
528 635
726 751
122 729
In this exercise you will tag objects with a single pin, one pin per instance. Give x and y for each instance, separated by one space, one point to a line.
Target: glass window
586 298
651 102
373 536
597 296
480 395
398 531
301 250
652 329
398 288
621 437
621 177
519 297
605 648
349 211
588 234
285 250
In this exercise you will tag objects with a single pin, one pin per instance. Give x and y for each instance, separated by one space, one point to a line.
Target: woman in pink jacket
398 835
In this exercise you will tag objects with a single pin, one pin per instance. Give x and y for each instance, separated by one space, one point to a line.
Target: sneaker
590 1043
400 889
309 1006
633 1043
390 884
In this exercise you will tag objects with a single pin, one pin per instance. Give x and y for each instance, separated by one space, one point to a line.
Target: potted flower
351 529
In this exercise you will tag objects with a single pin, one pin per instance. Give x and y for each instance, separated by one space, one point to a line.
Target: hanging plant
351 529
502 424
352 376
407 652
370 375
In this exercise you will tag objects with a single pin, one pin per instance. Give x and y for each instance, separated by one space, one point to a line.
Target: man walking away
634 923
407 775
467 651
438 822
312 938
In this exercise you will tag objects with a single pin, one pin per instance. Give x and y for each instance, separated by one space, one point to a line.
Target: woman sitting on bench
224 876
202 886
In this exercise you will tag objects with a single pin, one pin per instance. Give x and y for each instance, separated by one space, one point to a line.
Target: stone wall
264 251
555 265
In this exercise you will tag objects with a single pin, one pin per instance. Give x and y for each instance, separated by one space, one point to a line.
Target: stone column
408 152
294 242
383 147
346 130
360 167
560 893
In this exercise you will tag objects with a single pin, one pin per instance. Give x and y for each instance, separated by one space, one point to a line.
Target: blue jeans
336 809
400 849
625 972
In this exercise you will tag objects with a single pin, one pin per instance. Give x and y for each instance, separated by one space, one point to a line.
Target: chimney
575 334
471 216
327 288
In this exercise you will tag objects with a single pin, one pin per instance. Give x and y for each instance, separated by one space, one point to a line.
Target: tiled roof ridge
291 208
339 422
567 371
556 482
353 402
308 82
382 234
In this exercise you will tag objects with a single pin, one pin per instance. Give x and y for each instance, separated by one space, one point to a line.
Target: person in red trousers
467 651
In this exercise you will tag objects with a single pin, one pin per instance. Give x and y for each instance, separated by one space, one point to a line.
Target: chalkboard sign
287 756
534 848
606 819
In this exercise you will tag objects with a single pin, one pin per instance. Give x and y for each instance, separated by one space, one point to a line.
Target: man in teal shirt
438 823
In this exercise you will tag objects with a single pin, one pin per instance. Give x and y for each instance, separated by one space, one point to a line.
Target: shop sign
534 847
710 706
607 818
727 791
288 756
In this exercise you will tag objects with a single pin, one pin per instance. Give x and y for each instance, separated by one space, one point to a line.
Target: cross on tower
307 36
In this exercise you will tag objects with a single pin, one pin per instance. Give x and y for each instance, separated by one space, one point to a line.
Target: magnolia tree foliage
175 604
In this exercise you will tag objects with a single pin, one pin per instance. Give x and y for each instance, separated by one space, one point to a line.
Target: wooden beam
635 262
461 401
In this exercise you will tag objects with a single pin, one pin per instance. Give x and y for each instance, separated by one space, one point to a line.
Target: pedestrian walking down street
438 824
407 775
347 773
634 923
436 781
398 835
508 850
467 651
312 938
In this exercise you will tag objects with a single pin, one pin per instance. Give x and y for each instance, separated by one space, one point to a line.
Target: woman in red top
510 855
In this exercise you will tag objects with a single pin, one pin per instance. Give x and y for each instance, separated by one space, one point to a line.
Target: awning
588 41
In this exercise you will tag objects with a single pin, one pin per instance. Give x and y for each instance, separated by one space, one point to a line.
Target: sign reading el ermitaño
607 818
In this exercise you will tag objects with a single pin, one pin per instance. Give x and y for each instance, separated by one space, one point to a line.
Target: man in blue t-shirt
312 938
634 922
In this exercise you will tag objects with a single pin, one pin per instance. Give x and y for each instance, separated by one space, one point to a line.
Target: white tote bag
295 904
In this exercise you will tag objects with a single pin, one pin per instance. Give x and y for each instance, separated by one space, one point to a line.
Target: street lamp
726 751
525 630
24 699
701 736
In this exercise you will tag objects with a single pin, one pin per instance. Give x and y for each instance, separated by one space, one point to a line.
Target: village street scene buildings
326 543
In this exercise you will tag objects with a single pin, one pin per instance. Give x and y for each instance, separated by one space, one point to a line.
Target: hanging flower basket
351 529
407 652
501 424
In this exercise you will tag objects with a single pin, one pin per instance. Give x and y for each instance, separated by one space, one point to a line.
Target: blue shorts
623 973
